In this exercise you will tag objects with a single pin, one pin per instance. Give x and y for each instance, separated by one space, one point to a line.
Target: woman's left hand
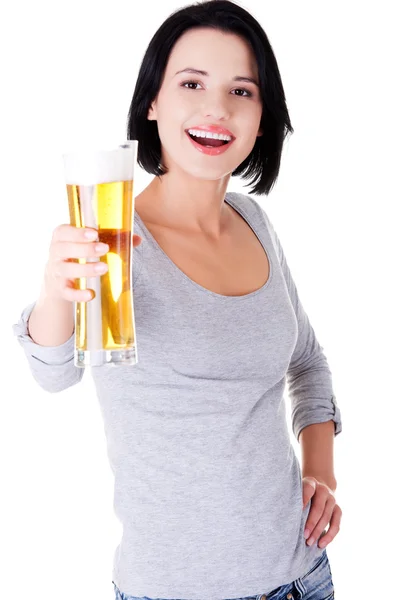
323 511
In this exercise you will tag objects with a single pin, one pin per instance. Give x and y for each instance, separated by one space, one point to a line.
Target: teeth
207 134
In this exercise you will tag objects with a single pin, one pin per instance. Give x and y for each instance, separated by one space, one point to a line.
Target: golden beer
104 326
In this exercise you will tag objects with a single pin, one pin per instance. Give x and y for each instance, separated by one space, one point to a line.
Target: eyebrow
205 74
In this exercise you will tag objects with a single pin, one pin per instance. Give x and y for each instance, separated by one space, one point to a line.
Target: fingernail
90 235
101 267
102 247
307 533
310 541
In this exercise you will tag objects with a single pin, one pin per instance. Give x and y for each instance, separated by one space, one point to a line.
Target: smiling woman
214 102
208 487
235 79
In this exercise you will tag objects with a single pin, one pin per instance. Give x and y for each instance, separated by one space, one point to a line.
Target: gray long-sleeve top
208 487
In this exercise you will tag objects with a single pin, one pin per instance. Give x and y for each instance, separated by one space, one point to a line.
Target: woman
208 487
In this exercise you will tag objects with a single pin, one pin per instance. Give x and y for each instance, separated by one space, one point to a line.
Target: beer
104 326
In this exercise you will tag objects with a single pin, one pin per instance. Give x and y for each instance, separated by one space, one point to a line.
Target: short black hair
263 163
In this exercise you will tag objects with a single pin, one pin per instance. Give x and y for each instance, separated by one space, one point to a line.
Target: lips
210 149
212 129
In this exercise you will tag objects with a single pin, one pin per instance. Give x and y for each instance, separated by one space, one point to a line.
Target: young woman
208 488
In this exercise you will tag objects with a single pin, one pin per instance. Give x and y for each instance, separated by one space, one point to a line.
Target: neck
186 203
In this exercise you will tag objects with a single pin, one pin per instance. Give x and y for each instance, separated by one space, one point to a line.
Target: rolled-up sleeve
309 378
52 366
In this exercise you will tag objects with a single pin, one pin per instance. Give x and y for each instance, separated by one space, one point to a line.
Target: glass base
97 358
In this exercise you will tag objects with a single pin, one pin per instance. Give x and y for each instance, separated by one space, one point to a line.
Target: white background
68 74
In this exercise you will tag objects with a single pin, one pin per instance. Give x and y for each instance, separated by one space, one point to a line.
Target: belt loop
299 587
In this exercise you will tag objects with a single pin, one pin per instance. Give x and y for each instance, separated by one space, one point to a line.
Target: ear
260 132
152 113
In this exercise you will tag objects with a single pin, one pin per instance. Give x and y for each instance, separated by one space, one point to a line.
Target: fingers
69 233
319 516
76 242
317 509
65 250
71 242
73 270
321 524
68 245
334 527
70 293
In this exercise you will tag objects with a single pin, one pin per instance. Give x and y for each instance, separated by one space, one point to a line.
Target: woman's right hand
68 244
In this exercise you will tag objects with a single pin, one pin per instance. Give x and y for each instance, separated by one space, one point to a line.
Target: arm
52 366
317 452
308 376
46 328
51 322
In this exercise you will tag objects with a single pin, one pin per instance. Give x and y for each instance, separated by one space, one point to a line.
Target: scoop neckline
197 285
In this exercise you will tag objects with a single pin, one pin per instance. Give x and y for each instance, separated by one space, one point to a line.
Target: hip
315 584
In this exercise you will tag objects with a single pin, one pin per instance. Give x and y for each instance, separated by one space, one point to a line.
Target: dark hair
263 163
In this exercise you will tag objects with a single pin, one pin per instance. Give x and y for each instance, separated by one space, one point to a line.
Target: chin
207 168
208 174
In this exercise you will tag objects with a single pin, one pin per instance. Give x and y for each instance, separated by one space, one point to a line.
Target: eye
186 83
246 92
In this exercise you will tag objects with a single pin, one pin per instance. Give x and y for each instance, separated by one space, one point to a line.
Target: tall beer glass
100 195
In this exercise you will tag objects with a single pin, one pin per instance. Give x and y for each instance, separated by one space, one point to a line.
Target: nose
216 106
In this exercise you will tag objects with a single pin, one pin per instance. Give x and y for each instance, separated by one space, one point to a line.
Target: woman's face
218 100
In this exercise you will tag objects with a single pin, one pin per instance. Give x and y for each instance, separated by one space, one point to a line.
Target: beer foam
88 167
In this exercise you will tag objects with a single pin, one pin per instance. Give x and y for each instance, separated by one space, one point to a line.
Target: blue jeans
316 584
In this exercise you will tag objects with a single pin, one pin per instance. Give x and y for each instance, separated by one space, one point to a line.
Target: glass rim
87 150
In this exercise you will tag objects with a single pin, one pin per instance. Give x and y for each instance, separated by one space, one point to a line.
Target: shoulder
256 215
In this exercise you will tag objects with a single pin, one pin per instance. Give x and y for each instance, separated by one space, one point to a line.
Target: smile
208 142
